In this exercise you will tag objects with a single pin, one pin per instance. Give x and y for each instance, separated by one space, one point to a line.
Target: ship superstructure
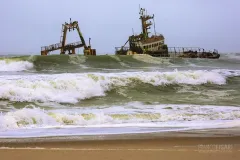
154 44
145 43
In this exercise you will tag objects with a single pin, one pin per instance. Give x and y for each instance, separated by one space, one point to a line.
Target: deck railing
59 46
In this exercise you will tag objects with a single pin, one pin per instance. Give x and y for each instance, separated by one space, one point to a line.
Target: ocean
74 95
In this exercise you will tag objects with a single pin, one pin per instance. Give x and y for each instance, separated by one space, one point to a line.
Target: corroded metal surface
63 47
143 43
193 52
154 45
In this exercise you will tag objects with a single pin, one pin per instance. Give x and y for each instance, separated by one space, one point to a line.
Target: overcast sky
26 25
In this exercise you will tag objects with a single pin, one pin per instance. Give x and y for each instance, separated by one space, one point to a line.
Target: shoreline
202 133
196 148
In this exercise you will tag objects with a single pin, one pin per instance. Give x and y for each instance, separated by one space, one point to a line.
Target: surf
9 65
72 88
150 118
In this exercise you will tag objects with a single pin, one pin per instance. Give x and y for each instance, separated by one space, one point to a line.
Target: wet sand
155 148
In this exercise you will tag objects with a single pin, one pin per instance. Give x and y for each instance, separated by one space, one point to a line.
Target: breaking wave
235 56
15 66
79 63
71 88
132 114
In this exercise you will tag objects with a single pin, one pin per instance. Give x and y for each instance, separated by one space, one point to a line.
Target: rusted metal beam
69 47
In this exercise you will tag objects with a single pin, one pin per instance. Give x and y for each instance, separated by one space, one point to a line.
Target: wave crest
159 115
15 66
71 88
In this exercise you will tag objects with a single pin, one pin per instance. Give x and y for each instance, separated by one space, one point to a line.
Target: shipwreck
70 48
144 43
154 44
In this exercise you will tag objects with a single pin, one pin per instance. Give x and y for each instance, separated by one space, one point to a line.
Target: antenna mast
154 26
145 22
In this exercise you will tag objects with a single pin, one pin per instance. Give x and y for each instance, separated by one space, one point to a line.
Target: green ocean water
77 95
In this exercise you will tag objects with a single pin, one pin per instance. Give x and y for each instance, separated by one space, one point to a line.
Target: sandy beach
155 148
120 80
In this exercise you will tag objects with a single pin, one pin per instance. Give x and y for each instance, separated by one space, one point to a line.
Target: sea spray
16 66
153 60
71 88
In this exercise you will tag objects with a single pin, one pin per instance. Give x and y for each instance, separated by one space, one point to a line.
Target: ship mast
145 24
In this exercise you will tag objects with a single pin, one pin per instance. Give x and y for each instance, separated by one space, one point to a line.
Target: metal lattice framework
68 27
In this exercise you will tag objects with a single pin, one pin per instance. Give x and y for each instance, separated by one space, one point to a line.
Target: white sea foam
8 66
71 88
149 59
132 114
235 56
227 72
